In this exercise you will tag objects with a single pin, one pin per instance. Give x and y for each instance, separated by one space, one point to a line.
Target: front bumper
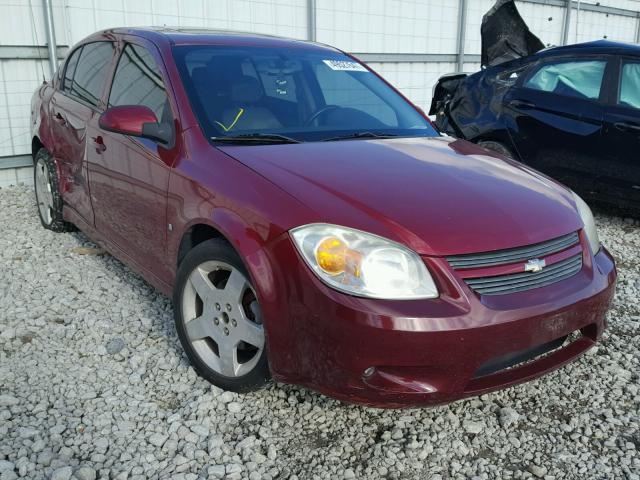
426 352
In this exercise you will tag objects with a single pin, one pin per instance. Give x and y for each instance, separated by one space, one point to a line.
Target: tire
497 147
47 191
218 318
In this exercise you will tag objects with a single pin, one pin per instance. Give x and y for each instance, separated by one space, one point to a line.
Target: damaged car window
581 79
509 78
630 85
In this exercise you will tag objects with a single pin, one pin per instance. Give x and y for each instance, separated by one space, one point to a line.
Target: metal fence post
311 20
462 26
51 35
567 22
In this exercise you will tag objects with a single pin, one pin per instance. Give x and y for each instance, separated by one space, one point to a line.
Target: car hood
437 195
505 36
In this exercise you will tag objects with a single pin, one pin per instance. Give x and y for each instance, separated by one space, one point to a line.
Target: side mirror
136 121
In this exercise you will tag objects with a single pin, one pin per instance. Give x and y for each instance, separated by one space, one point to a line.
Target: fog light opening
369 372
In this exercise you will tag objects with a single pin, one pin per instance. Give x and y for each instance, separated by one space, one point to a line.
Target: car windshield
253 94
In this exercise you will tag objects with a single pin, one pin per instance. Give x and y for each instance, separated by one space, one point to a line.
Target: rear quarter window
91 72
70 69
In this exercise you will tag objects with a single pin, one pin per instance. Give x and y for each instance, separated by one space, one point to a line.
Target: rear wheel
497 147
218 318
48 198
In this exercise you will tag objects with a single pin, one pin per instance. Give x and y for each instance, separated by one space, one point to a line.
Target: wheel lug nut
228 307
217 306
226 331
216 321
233 322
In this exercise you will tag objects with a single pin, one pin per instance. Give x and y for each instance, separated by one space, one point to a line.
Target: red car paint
127 118
435 195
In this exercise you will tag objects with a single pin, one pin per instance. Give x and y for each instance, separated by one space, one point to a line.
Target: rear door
554 115
129 176
620 177
72 107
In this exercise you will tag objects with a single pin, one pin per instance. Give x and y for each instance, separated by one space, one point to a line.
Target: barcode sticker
345 65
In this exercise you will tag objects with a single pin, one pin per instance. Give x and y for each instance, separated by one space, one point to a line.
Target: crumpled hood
437 195
505 36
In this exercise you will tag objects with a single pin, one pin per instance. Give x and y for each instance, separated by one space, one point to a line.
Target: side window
581 79
70 69
137 81
629 95
91 71
341 88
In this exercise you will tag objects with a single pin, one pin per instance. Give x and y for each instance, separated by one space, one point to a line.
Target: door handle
98 143
625 127
523 104
60 118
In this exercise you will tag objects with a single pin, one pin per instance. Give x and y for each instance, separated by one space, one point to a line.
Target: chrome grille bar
518 282
512 255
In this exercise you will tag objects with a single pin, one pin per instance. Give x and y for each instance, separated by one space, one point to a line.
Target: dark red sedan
311 224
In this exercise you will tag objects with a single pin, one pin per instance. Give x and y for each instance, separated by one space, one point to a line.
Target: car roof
205 36
597 46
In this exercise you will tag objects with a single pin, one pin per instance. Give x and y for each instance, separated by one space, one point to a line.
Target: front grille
518 282
512 255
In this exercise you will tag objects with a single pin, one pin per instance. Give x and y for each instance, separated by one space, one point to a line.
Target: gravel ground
94 384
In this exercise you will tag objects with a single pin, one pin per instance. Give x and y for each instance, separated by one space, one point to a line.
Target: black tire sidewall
58 224
215 249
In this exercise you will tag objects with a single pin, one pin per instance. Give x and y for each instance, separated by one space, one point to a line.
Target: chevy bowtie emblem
534 265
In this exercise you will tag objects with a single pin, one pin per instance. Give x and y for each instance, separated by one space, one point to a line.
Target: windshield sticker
345 66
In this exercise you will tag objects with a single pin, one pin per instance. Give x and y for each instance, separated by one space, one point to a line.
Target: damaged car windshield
246 93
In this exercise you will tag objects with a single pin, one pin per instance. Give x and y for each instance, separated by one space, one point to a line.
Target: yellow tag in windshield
235 120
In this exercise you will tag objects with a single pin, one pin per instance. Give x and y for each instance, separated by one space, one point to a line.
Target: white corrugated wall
392 27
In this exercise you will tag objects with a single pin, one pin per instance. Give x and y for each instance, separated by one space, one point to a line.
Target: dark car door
129 176
620 166
72 107
554 116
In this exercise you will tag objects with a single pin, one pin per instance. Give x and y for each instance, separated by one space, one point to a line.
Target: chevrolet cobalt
310 223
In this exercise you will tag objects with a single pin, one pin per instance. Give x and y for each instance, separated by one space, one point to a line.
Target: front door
555 118
621 138
129 176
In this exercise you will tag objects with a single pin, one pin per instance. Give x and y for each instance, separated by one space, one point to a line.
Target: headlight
589 224
363 264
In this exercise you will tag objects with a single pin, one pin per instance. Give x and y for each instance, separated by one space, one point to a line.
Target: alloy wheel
222 319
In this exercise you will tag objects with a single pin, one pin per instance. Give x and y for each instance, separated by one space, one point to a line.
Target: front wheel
218 318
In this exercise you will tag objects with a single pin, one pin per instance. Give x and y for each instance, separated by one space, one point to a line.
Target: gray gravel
93 384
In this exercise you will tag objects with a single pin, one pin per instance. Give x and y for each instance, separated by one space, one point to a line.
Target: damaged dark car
572 112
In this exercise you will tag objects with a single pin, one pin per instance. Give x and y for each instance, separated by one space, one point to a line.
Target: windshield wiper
257 138
353 136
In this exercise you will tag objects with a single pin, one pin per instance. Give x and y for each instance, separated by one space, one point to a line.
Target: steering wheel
318 113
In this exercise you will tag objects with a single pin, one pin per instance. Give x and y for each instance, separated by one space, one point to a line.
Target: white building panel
544 20
587 26
388 26
414 80
278 17
360 26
